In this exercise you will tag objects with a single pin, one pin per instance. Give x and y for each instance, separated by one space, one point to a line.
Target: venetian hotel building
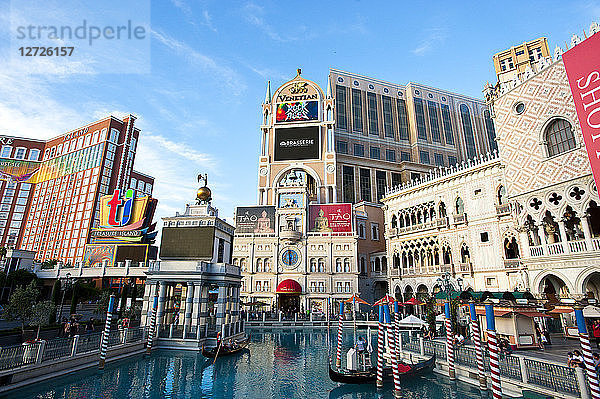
50 189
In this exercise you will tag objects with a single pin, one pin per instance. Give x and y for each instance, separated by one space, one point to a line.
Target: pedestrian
577 359
596 332
596 359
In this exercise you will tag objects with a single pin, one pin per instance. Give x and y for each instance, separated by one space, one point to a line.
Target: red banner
582 64
330 218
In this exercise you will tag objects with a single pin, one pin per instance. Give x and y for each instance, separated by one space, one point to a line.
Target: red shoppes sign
582 64
330 218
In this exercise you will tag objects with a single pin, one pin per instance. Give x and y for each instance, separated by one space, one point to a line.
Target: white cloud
254 14
209 64
434 36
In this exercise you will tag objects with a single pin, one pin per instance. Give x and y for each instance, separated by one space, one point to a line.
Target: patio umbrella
356 299
413 301
385 300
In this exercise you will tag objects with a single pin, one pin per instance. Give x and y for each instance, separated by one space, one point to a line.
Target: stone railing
556 249
432 224
512 263
464 267
577 246
504 209
460 218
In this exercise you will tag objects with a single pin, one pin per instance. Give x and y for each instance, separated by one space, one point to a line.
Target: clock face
290 258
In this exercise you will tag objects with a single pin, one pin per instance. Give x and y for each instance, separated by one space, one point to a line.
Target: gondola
225 351
370 376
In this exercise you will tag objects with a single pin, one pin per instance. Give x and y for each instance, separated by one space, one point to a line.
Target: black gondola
225 350
370 376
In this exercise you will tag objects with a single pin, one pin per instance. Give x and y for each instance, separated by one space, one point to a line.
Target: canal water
277 365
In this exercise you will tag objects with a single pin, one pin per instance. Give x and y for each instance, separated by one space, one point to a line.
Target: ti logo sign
114 204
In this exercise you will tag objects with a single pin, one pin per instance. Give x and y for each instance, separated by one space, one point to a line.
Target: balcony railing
395 272
464 267
504 209
460 218
577 246
556 249
512 263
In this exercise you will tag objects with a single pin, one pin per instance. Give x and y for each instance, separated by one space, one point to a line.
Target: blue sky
199 107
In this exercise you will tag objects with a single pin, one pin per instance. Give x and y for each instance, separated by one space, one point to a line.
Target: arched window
465 116
442 210
377 267
384 264
321 265
460 206
489 129
338 265
347 265
267 265
362 266
465 256
243 264
313 265
394 221
594 218
401 221
259 265
559 137
511 248
501 195
235 261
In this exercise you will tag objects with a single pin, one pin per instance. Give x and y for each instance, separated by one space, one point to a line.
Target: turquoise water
277 365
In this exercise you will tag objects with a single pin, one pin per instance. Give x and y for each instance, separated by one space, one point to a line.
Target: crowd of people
72 327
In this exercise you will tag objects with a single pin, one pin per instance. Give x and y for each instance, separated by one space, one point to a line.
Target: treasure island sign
582 64
297 102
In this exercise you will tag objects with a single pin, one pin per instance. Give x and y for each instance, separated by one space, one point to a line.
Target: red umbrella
357 299
413 301
385 300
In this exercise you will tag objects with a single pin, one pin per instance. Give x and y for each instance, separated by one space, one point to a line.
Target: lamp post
64 287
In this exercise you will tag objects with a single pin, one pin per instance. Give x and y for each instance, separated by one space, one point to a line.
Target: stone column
542 236
162 289
196 308
149 293
524 243
203 313
585 226
221 303
188 308
563 237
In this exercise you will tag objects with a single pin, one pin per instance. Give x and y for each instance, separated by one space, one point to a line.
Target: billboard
187 242
95 254
19 171
582 64
255 219
298 111
297 143
330 218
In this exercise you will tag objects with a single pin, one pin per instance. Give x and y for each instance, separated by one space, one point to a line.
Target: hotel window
390 155
559 137
149 188
374 232
6 151
140 185
347 287
338 287
114 135
34 154
20 153
313 286
321 286
420 116
381 181
321 266
396 179
433 121
465 115
346 265
338 265
313 265
133 144
133 182
438 159
359 150
447 124
340 107
424 155
365 185
388 126
489 128
510 63
374 153
405 156
356 111
348 183
342 147
372 112
402 119
451 160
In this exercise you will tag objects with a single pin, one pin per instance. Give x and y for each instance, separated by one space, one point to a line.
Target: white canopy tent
411 321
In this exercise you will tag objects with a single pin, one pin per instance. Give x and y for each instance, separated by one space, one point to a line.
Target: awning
497 312
289 286
443 295
560 310
532 314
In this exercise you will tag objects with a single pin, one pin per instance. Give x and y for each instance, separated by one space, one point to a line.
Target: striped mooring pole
338 355
392 343
397 322
449 342
152 327
493 351
380 344
105 334
587 352
478 351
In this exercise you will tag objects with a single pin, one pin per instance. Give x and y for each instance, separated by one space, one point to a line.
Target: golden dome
203 194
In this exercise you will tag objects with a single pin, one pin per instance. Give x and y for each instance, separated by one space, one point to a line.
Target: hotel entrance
288 296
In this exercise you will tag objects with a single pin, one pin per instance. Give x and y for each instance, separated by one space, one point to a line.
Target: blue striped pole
152 326
587 352
380 343
493 351
476 335
104 344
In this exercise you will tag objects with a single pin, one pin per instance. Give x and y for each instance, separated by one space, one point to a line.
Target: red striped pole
493 351
587 352
338 356
392 342
449 343
380 344
476 335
